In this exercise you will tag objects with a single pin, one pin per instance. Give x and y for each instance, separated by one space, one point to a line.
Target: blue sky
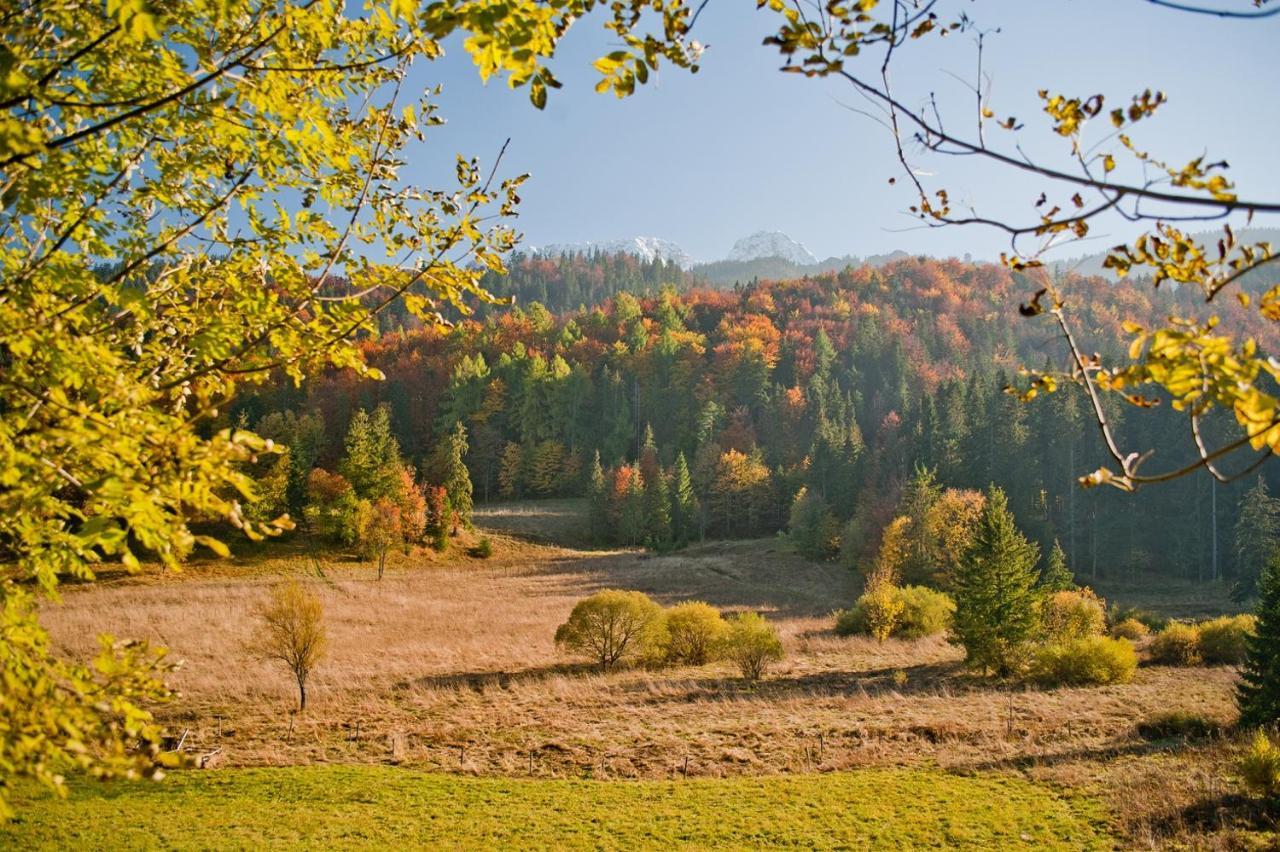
704 159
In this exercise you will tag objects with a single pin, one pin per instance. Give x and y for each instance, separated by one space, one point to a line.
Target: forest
844 384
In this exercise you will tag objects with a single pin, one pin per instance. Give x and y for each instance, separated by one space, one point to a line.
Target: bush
695 633
483 549
1083 661
751 643
1074 614
919 612
613 624
1223 640
925 612
1177 724
881 607
1153 622
1260 767
1177 645
1131 629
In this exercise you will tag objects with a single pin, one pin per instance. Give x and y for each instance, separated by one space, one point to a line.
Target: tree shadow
480 681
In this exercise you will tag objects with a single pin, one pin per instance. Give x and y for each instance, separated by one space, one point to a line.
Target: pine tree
657 511
995 591
371 461
631 510
684 503
1257 538
1259 692
599 503
457 480
1057 577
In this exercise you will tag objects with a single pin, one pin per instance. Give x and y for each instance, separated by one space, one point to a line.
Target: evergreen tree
995 590
457 480
371 461
1259 690
657 511
598 496
1057 577
684 503
1257 538
812 528
631 518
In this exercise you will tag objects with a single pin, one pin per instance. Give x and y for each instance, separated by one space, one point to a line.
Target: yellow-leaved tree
182 184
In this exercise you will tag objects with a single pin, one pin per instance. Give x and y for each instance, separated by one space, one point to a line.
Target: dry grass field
448 665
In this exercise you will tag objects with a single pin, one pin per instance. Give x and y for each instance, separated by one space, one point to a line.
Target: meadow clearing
446 669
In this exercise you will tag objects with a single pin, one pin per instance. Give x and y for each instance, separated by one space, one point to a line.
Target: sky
703 159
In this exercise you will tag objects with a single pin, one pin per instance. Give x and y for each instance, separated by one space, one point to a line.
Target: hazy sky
706 158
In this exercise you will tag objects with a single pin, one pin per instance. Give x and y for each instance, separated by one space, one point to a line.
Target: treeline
841 385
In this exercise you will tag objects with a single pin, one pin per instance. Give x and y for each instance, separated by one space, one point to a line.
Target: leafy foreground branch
1197 367
182 184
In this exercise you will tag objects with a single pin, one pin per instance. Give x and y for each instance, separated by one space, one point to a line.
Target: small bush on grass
1153 621
612 625
752 644
1084 661
1260 767
1177 645
1177 724
695 633
1131 629
1073 614
920 612
1224 640
482 549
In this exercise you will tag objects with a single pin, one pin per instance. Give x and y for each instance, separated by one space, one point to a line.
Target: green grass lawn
346 806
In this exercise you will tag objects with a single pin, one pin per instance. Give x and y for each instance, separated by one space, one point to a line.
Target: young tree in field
598 503
995 591
411 502
752 643
1259 691
611 625
1257 536
1057 577
183 183
332 507
292 632
381 529
684 503
456 478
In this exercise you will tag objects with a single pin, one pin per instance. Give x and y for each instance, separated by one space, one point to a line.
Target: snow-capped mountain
771 244
645 248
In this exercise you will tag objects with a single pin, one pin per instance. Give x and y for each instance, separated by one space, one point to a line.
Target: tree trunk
302 694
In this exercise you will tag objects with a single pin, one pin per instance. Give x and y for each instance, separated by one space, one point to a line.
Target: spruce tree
657 511
1257 538
1057 577
457 479
1259 692
598 508
371 461
631 514
995 590
684 503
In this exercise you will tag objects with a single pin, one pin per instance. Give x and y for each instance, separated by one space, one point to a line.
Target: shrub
751 643
917 611
1074 614
1177 645
1177 724
1260 767
695 633
611 625
881 606
1223 640
925 612
1131 629
483 549
1153 621
1083 661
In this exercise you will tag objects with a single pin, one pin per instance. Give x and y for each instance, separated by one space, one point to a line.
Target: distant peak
771 244
646 248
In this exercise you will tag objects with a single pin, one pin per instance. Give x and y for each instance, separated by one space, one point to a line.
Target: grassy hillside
347 806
